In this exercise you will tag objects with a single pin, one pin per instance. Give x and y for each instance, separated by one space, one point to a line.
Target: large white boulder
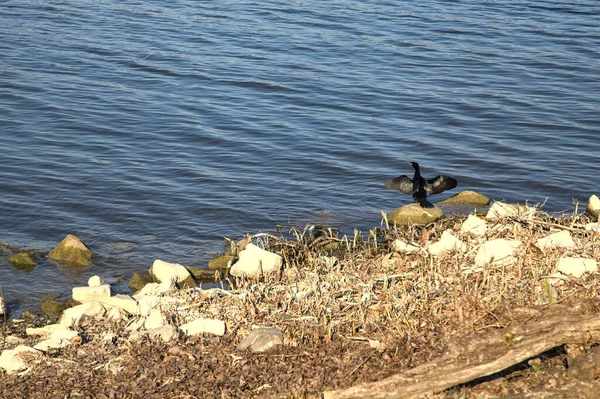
91 293
164 271
255 261
16 360
447 243
561 239
473 226
577 266
199 326
73 316
499 251
593 207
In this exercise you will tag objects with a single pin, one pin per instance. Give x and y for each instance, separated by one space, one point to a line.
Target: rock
155 319
499 251
47 331
116 315
73 316
121 301
88 294
500 210
255 261
58 339
95 281
414 214
400 246
468 198
23 260
139 281
474 226
447 243
3 311
156 289
163 271
16 360
14 340
199 326
577 267
204 275
52 308
594 227
166 333
220 262
561 239
593 207
72 252
261 339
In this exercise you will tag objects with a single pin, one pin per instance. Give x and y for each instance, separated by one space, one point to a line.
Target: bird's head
414 165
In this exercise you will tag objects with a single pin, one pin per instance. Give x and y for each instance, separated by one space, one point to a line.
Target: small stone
220 262
58 339
261 339
414 214
163 271
499 251
16 360
72 252
23 260
468 198
474 226
255 261
47 331
88 294
167 333
139 281
593 207
447 243
561 239
155 319
577 267
400 246
199 326
14 340
95 281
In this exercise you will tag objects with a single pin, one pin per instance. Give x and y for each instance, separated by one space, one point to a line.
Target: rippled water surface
152 129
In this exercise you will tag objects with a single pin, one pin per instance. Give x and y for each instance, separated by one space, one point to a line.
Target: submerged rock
139 281
414 214
52 308
593 207
220 262
72 251
23 260
163 271
255 261
261 339
206 275
468 198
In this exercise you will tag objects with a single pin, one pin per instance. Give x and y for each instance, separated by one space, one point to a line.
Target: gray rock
467 198
72 252
23 260
261 339
414 214
138 281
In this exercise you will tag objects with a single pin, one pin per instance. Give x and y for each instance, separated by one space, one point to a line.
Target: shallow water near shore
151 130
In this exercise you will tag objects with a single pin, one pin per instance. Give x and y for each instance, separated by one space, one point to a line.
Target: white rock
47 331
199 326
261 339
58 339
120 301
166 333
499 251
474 226
595 227
254 260
593 206
577 266
401 246
136 325
95 281
88 294
448 242
2 306
154 319
16 360
73 316
153 289
164 271
500 210
116 315
14 340
561 239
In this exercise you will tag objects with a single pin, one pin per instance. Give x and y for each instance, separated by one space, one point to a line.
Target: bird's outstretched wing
439 184
402 183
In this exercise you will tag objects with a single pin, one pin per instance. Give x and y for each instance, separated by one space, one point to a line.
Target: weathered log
480 356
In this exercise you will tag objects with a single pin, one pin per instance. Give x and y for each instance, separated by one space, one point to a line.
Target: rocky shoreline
310 316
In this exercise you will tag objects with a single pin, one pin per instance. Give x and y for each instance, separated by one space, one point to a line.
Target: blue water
152 129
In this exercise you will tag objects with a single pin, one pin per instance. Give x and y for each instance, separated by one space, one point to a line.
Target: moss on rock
52 308
23 260
208 276
220 262
467 198
414 214
72 251
138 281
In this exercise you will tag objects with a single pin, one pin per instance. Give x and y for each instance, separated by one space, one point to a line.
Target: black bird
419 187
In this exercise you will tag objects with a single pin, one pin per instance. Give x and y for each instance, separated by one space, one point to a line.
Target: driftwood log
480 356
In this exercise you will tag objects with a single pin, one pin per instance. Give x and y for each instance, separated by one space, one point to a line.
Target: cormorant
419 187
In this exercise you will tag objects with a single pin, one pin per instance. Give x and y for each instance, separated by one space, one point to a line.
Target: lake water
152 129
